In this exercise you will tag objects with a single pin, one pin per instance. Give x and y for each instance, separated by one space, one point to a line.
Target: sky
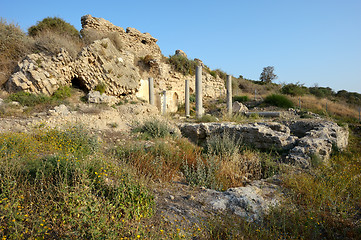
310 42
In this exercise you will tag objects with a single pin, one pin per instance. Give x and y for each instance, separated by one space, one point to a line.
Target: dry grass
318 105
51 43
91 35
14 45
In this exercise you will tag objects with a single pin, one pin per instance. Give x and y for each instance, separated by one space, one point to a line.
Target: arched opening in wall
79 84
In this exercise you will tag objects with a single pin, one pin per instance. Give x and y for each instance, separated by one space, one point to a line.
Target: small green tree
53 24
267 76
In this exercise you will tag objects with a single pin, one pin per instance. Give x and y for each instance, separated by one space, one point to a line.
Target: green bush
294 89
183 65
322 92
240 98
29 99
154 128
279 101
62 93
53 24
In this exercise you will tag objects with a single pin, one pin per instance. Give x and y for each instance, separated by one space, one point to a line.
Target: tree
267 76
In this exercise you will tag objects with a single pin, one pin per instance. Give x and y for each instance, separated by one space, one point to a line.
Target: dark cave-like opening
79 84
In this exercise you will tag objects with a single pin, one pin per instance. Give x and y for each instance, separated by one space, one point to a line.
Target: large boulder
251 202
317 139
41 73
101 63
238 107
262 136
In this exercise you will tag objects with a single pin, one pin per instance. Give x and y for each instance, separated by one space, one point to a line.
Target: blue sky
310 41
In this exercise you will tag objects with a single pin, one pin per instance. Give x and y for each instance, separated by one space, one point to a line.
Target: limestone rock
262 136
317 138
238 107
60 110
96 97
101 63
180 53
40 73
141 44
250 202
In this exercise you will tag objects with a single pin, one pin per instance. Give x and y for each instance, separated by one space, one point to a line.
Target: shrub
207 118
53 24
14 45
29 99
294 89
279 101
321 92
182 64
221 74
101 87
159 161
154 128
202 173
62 93
223 144
240 98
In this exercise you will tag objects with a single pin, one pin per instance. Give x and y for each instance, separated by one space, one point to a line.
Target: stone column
151 90
199 107
229 94
186 98
164 102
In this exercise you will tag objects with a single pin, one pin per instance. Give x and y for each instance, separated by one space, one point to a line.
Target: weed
202 173
154 128
101 87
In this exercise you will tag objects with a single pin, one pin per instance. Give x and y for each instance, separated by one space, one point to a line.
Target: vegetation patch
279 101
183 65
154 128
57 184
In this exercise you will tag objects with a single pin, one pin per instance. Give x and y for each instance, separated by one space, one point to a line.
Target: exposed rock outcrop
302 139
112 63
250 202
238 107
40 73
102 63
258 135
180 53
316 139
96 97
141 44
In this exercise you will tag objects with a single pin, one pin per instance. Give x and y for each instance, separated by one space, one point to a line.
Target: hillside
83 155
